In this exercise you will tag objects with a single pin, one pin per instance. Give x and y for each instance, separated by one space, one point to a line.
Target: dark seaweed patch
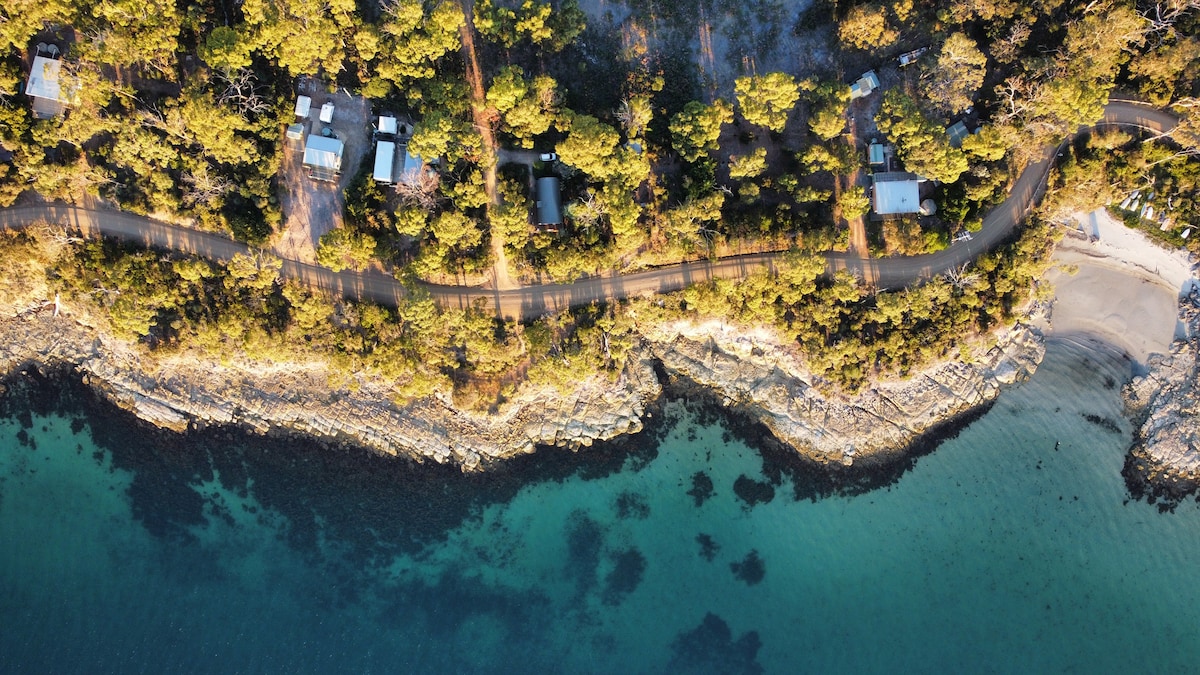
632 505
585 540
752 491
702 488
1106 423
750 569
710 648
625 576
708 546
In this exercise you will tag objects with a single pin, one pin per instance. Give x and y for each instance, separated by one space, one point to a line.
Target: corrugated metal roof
323 152
385 161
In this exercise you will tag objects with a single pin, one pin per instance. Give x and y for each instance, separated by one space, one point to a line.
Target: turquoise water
125 551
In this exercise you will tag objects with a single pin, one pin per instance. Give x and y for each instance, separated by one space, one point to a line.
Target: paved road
533 301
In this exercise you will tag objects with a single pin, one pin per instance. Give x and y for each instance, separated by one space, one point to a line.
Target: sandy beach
1125 291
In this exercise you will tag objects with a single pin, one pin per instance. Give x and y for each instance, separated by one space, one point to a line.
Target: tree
767 100
828 119
748 166
224 48
696 129
341 248
854 203
866 27
456 231
589 146
951 83
920 143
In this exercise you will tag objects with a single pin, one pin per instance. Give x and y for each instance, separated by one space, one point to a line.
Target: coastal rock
1165 402
763 378
750 371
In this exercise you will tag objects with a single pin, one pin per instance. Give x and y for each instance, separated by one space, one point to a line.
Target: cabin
896 193
47 95
323 157
549 202
385 162
866 84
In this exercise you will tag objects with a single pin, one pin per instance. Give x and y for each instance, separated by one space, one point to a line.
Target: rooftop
896 192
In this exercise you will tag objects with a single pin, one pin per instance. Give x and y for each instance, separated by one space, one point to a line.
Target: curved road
533 301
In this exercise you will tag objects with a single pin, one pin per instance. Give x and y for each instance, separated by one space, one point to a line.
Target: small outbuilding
303 107
47 95
866 84
412 169
326 116
549 201
896 193
387 125
385 161
876 155
957 132
323 157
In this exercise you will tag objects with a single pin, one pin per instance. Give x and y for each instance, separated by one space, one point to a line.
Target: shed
413 167
327 112
323 157
387 125
44 89
385 161
866 84
876 155
295 132
549 201
957 132
303 107
896 192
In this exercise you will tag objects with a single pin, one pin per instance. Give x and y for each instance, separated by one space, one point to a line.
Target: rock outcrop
751 372
766 380
1165 403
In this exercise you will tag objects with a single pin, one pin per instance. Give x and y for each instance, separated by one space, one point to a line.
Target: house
549 201
385 161
323 157
866 84
896 193
47 95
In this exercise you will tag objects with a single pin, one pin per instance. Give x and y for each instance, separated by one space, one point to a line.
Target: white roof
897 196
323 152
387 125
385 159
327 113
43 79
303 106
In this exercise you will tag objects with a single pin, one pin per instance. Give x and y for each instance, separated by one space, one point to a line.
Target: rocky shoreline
1163 464
752 379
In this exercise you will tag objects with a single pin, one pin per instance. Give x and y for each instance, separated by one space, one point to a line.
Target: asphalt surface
532 301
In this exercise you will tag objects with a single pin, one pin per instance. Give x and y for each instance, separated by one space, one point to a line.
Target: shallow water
122 551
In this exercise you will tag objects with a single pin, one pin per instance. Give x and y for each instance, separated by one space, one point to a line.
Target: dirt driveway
311 207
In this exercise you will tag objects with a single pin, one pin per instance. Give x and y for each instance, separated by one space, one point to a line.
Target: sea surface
1013 547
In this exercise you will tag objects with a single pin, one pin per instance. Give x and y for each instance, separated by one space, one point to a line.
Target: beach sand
1125 291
